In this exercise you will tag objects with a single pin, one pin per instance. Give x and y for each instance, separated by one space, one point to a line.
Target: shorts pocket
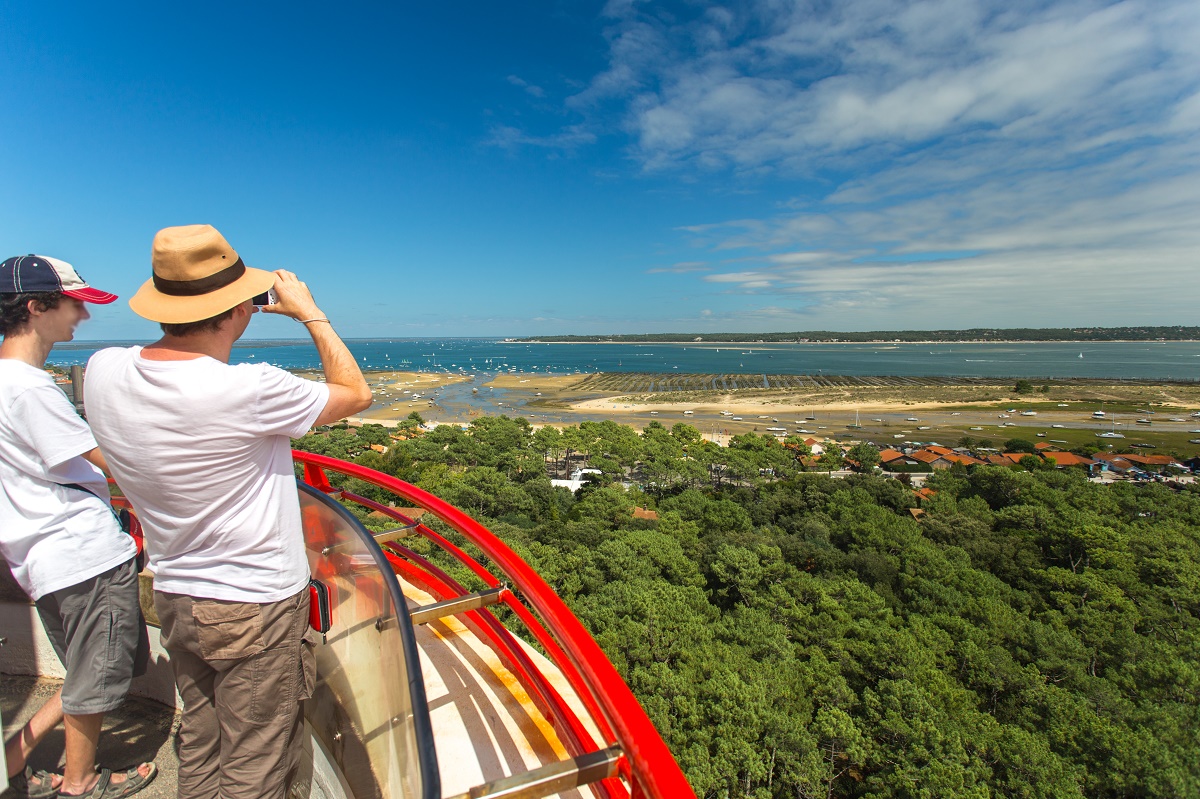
228 630
308 663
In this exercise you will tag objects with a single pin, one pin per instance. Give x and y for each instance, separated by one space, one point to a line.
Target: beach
943 413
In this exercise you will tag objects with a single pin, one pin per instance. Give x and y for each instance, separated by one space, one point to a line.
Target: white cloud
790 85
536 91
568 138
683 267
1056 143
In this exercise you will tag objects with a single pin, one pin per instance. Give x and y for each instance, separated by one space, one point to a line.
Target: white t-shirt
202 450
51 536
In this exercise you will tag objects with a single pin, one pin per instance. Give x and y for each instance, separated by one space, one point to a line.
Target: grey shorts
98 632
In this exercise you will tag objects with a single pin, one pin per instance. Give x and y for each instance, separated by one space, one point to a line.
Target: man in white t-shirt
202 450
59 536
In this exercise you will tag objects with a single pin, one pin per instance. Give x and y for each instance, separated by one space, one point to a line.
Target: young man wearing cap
202 450
58 533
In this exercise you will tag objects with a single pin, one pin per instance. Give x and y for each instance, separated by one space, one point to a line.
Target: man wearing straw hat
201 449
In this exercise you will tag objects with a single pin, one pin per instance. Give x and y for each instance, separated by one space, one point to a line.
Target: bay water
1144 360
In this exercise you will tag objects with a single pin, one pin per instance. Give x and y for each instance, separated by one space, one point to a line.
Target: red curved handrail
653 770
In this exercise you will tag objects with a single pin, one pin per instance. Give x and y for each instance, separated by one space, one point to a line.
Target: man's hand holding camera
293 299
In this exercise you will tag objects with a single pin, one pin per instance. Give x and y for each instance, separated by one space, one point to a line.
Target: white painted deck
485 724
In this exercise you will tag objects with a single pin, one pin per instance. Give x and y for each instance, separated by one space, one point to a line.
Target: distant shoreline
870 342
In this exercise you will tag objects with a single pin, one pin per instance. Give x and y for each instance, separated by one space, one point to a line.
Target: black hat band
203 285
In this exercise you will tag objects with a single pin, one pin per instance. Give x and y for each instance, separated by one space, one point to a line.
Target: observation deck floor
139 730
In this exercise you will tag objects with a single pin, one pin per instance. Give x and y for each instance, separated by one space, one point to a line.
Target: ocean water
1174 360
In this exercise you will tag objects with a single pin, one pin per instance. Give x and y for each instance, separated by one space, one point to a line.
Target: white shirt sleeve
288 405
44 419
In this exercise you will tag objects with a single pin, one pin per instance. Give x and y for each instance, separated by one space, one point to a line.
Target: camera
266 298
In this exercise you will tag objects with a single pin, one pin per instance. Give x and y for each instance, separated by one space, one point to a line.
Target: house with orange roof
892 460
1151 462
1112 462
889 455
931 459
924 494
1063 460
940 450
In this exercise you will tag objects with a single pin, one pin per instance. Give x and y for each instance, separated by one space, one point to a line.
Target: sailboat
1112 433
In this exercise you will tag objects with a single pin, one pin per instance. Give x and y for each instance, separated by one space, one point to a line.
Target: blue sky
574 167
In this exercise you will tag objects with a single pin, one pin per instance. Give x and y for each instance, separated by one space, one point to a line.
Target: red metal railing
648 765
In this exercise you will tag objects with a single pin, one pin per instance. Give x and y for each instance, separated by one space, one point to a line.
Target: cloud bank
969 160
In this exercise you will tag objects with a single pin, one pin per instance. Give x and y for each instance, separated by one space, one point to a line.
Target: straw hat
196 275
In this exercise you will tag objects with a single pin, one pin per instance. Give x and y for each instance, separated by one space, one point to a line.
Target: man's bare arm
348 389
96 458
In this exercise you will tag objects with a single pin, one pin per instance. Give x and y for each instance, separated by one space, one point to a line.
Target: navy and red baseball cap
38 274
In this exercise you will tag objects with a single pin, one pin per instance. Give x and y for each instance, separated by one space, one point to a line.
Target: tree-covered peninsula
980 334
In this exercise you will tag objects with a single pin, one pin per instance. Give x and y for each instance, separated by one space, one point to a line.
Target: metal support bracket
461 604
397 533
384 537
551 779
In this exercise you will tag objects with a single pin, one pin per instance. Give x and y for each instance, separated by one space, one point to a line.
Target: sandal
105 789
21 787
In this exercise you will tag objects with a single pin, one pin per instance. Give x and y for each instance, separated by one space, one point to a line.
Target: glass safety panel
363 708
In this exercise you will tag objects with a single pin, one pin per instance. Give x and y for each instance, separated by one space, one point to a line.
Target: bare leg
83 735
20 746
